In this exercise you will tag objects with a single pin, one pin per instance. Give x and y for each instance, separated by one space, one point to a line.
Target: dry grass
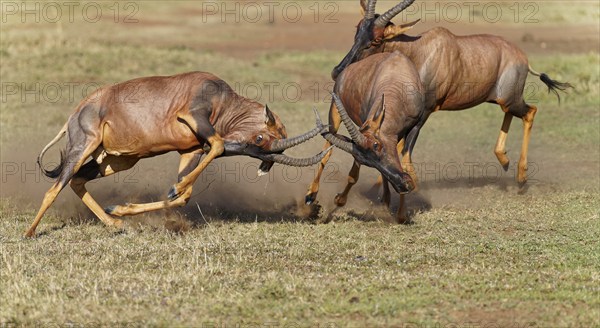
531 259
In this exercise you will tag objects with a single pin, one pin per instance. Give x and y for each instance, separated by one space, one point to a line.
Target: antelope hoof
29 234
310 198
522 178
110 209
340 200
403 220
115 210
173 194
503 159
118 210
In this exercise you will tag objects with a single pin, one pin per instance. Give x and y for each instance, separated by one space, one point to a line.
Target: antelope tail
553 85
55 172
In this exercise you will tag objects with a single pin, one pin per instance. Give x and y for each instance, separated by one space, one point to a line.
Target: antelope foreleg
334 121
313 189
217 147
179 194
402 214
386 196
341 198
134 209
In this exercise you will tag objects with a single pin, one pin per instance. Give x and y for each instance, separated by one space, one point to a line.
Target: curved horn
369 8
283 144
298 162
340 143
357 137
384 19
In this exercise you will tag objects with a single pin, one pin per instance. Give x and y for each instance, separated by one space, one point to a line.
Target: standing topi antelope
384 96
192 113
458 72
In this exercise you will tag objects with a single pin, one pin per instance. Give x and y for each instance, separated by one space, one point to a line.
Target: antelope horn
357 137
298 162
338 142
384 19
283 144
370 13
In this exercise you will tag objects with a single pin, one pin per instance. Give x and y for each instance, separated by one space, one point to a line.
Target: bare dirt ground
336 34
533 39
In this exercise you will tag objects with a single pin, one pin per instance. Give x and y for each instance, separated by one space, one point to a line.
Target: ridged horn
283 144
298 162
356 136
340 143
384 19
370 8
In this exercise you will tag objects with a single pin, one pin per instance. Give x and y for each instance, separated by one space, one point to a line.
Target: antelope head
266 139
370 147
372 31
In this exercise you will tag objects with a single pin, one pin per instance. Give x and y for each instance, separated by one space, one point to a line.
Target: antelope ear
393 31
269 117
379 115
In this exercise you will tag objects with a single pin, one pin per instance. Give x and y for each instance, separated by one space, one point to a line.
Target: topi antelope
458 72
192 113
384 96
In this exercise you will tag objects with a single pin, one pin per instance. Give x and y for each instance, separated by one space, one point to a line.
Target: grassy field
528 262
479 254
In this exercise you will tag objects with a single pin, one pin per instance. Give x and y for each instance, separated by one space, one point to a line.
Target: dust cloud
230 189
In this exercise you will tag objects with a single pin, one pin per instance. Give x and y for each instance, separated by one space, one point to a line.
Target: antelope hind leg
500 149
92 170
527 125
73 162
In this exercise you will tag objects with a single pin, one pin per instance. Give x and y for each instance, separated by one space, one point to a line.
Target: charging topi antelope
384 96
458 72
192 113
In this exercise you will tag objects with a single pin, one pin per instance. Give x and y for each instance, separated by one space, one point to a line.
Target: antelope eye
259 138
376 145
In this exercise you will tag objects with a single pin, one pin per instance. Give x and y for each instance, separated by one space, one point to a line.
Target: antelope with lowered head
458 72
383 95
193 113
